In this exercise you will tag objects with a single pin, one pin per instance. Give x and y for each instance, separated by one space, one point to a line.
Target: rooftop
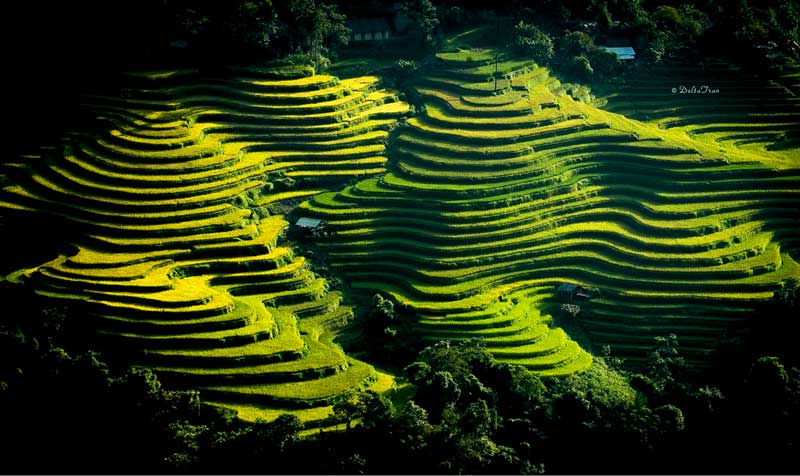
567 287
308 222
622 52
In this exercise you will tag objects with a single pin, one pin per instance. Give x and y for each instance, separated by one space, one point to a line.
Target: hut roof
567 287
308 222
622 52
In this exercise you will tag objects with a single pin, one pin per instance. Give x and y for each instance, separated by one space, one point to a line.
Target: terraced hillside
717 102
176 260
493 198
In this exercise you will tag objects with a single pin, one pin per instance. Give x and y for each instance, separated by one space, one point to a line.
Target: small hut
573 292
624 53
568 290
310 226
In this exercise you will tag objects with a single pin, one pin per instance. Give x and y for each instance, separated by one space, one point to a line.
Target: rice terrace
309 236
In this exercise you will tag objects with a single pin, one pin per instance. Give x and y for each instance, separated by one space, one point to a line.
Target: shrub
579 68
300 59
424 15
605 63
675 28
530 40
576 43
404 68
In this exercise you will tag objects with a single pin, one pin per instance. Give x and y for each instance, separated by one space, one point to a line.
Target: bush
530 40
576 43
405 68
583 61
675 29
305 59
604 63
580 68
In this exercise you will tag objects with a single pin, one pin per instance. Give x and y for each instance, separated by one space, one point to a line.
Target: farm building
311 226
624 53
573 292
369 29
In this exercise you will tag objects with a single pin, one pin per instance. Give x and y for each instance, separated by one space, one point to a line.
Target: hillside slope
177 261
494 197
714 102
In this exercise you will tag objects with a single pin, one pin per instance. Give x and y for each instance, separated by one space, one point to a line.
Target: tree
579 68
630 12
423 13
575 43
783 17
385 334
253 25
382 312
404 68
789 294
240 28
656 46
604 19
369 407
530 40
311 27
451 374
469 397
670 419
768 381
328 31
665 365
605 63
752 24
412 429
677 28
185 445
279 435
768 413
479 419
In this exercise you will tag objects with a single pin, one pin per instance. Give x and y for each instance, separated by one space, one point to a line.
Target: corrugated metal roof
567 287
308 222
622 52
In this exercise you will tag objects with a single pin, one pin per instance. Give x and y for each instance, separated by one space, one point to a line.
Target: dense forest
86 410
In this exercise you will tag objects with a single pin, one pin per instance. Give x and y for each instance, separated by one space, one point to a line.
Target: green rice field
493 198
178 260
469 213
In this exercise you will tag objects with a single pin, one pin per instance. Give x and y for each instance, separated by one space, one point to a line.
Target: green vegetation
715 102
527 248
519 202
176 257
467 414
